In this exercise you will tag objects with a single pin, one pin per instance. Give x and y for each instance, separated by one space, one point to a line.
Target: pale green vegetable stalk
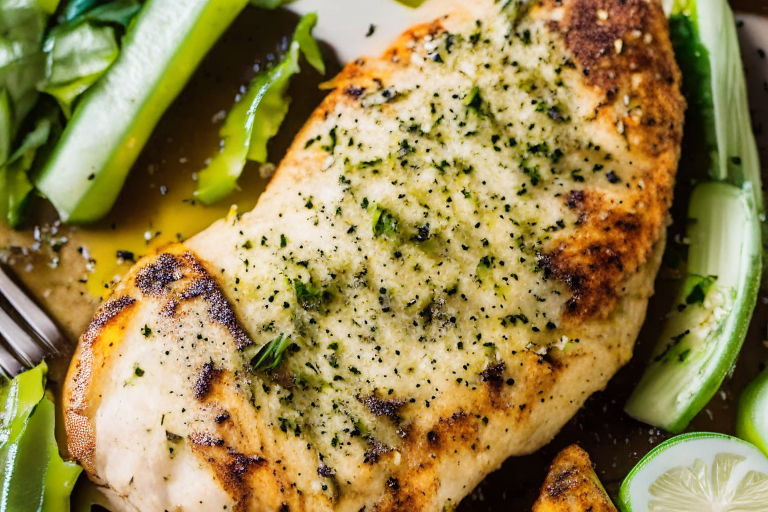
704 333
711 314
63 64
83 46
257 117
114 120
34 476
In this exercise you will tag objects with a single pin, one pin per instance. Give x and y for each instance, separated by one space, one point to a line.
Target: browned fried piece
572 485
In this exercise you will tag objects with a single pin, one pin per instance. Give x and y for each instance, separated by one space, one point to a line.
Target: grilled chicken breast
456 252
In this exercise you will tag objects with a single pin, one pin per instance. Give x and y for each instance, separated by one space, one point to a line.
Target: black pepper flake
554 114
494 374
380 407
325 471
126 255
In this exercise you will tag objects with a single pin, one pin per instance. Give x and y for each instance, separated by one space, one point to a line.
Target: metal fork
28 333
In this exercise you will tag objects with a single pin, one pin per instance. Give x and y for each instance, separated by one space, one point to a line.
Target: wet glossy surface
158 199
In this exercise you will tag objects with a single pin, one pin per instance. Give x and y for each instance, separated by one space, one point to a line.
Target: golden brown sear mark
623 49
104 316
232 469
206 377
383 407
191 280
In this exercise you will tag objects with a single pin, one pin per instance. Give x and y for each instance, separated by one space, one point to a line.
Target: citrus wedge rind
752 419
698 472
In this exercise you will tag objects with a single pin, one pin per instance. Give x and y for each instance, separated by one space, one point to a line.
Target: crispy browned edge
170 277
596 261
595 266
572 485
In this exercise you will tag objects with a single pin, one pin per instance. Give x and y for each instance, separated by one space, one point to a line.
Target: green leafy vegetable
76 58
308 296
257 117
15 185
64 64
384 222
22 63
271 354
112 123
119 12
34 476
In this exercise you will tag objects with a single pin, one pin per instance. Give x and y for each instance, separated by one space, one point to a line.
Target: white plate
344 24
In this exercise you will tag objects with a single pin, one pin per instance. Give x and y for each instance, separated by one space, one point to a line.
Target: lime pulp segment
698 473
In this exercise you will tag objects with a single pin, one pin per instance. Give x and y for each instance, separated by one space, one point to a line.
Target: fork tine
22 343
9 365
35 317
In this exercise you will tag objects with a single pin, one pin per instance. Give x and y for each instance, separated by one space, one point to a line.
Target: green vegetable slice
76 58
411 3
752 418
701 340
114 120
34 476
6 128
120 12
698 472
705 331
257 117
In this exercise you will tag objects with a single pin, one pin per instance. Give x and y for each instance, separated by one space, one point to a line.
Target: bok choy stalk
704 334
113 121
63 63
257 117
83 46
34 476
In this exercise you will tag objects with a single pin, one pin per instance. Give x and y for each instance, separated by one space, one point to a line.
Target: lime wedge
752 420
698 472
